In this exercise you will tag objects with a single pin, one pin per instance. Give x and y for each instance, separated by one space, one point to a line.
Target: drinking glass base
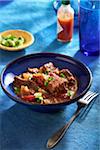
87 53
90 49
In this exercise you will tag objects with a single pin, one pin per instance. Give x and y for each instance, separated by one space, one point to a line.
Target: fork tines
88 97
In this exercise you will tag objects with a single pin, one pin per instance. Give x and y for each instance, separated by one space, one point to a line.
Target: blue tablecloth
22 128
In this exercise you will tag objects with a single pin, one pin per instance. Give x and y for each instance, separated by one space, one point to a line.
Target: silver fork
85 100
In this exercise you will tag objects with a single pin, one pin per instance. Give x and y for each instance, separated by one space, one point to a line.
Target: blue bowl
16 67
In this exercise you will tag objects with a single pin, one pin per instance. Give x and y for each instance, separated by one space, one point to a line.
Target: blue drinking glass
89 27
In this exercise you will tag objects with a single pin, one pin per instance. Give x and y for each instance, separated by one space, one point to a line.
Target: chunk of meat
27 75
72 81
39 78
51 83
69 76
66 72
57 85
33 70
18 82
24 90
49 67
72 84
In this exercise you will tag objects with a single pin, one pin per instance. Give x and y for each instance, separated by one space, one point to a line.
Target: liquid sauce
65 23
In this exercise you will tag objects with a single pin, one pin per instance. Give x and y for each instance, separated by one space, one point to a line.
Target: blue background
22 128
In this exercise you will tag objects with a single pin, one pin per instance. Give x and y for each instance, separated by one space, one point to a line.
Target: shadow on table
54 46
6 56
46 39
91 61
45 35
5 2
22 128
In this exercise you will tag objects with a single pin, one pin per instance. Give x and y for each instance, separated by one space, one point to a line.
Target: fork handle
61 132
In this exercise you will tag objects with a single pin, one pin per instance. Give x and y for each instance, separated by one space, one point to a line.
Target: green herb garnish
17 90
36 88
62 75
46 83
30 76
46 72
38 97
70 93
50 78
